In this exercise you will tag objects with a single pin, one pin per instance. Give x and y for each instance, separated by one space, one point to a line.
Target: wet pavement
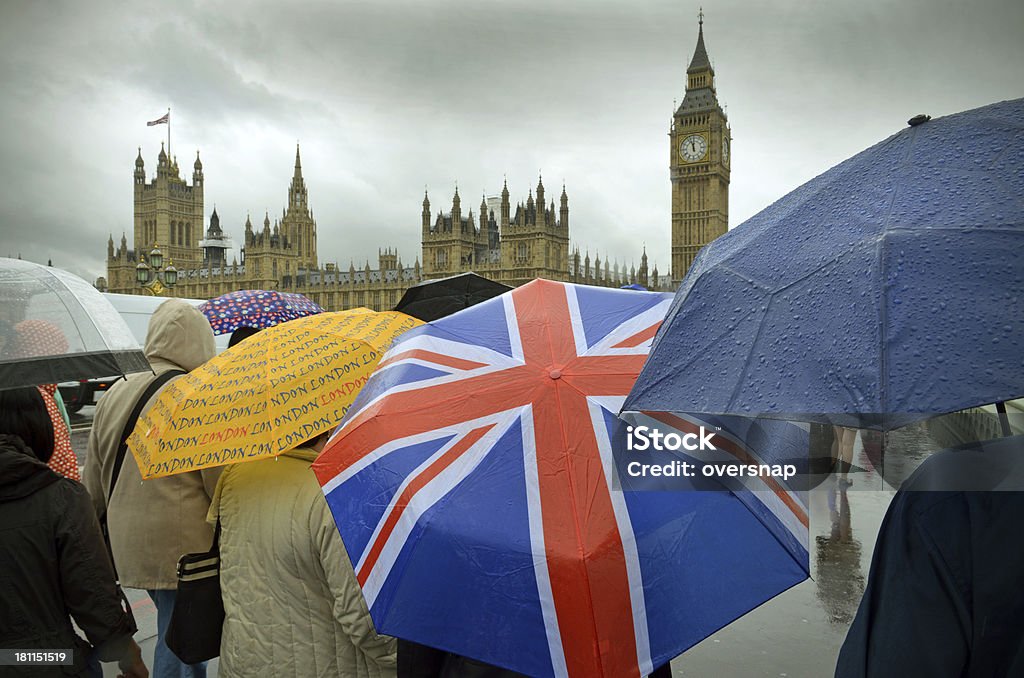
81 424
797 634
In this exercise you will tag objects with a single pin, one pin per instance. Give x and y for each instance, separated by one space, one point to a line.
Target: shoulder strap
133 418
122 448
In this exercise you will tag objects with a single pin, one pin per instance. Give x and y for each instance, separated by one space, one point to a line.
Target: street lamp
170 274
142 272
153 277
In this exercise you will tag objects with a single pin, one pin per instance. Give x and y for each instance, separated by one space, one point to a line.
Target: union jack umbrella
473 483
257 309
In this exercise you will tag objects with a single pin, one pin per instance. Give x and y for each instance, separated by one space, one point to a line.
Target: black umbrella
435 299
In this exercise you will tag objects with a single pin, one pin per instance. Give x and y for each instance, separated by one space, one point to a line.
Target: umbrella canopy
887 290
473 484
269 394
56 327
257 309
435 299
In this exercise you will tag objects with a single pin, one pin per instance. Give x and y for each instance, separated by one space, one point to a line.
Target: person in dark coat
53 561
944 595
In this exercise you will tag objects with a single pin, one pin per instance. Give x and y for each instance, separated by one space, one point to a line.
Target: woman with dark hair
36 338
53 561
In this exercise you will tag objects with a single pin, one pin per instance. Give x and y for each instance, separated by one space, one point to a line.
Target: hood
21 474
179 334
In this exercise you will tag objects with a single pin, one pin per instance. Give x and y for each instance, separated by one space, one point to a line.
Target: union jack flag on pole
472 482
164 119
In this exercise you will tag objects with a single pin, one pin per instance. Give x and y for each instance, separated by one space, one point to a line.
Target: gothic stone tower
450 245
297 224
169 212
534 240
511 248
699 157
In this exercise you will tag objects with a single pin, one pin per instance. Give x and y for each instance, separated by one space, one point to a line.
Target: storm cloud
388 98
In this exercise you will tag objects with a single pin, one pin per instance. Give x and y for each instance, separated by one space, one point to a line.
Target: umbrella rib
62 287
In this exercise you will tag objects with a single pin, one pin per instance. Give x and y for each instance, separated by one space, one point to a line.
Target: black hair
23 413
240 334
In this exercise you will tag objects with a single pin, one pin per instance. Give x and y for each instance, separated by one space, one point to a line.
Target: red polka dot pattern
63 460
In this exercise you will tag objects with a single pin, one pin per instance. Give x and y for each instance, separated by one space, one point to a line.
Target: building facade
700 147
509 245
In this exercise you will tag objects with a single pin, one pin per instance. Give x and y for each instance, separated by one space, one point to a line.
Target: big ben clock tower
699 158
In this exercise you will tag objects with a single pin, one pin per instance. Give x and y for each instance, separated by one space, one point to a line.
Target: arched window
173 241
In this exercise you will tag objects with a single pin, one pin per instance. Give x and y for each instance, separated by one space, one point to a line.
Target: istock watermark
643 438
706 457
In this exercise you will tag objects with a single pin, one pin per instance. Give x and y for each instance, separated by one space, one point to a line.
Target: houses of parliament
512 244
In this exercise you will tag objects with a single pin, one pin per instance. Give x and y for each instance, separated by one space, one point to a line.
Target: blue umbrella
887 290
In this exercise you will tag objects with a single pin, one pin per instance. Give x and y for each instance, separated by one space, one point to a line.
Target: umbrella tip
919 119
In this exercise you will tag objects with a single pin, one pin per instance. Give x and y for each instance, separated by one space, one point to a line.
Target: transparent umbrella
56 327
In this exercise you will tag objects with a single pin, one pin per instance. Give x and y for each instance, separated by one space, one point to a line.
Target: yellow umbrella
265 395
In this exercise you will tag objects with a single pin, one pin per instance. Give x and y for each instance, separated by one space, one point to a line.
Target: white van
136 311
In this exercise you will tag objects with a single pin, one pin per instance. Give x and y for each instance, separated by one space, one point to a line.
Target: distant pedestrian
843 451
292 604
152 524
55 564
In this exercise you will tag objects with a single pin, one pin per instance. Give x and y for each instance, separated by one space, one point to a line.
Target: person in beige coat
153 523
291 601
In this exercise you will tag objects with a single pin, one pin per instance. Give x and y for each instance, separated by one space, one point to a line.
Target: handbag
194 631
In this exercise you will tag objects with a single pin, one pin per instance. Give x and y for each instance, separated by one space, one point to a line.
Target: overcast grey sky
387 97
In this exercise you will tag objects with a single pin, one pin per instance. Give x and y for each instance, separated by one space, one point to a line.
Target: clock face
725 150
693 148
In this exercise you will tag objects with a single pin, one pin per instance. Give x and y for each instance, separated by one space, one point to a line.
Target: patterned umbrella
473 482
257 309
266 395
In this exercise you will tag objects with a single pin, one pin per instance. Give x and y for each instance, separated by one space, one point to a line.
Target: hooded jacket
152 523
52 563
292 604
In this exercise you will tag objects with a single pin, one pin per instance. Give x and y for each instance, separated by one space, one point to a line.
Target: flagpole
169 132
